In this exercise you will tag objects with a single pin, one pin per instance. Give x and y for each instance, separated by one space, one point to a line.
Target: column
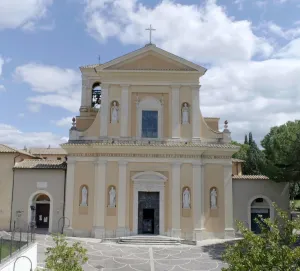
175 112
104 110
124 111
198 201
196 112
176 199
229 230
99 198
84 102
69 201
122 200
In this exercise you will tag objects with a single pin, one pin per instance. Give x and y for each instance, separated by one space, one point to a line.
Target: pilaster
229 231
196 112
84 90
175 112
70 181
99 199
124 111
198 201
122 192
104 110
176 199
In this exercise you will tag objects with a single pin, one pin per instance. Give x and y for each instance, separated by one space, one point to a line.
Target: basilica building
142 159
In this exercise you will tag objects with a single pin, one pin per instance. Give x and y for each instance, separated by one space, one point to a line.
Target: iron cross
150 32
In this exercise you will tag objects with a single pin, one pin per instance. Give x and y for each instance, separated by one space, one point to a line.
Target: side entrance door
42 215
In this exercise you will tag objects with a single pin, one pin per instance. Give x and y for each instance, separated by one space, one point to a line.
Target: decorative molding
150 155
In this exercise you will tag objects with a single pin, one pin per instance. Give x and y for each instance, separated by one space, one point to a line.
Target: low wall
22 264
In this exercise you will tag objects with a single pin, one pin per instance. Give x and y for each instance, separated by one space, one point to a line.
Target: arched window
96 95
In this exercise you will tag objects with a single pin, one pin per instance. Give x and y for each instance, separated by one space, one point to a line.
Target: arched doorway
260 207
40 211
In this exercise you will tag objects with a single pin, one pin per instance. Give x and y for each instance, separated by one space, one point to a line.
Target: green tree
272 250
242 153
246 139
62 257
282 150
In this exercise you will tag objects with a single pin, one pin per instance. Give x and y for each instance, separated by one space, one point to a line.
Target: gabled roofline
147 48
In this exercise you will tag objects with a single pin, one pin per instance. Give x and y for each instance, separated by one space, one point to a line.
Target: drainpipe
65 185
12 192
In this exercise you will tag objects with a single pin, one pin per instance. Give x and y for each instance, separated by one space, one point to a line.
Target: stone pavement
112 256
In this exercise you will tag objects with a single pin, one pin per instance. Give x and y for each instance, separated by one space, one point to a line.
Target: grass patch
5 248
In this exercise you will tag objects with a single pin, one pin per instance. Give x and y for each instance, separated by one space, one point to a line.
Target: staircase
149 240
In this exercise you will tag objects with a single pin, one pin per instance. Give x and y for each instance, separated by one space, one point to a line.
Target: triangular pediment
151 58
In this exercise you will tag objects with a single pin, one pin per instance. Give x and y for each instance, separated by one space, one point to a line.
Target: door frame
31 202
149 181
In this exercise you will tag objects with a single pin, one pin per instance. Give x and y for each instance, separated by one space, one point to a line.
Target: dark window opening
149 124
259 200
96 95
58 158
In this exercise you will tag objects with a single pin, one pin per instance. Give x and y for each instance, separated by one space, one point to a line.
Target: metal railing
13 242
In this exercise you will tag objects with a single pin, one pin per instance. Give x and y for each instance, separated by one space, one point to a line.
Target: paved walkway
112 256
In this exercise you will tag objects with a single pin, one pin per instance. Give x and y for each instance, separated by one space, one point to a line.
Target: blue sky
251 48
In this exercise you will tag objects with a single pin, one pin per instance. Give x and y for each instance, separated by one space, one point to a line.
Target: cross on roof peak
150 29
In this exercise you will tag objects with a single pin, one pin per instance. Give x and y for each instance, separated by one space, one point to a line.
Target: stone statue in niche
112 197
185 113
213 198
114 112
186 199
84 194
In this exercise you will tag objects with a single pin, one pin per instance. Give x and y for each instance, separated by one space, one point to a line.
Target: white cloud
64 122
291 50
57 87
21 115
203 32
15 13
12 136
279 31
253 95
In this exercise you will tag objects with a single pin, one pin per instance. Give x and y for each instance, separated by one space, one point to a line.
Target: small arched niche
213 197
186 197
83 195
185 113
96 95
114 111
111 196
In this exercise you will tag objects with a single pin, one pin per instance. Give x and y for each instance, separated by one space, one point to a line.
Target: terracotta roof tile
7 149
250 177
49 151
41 164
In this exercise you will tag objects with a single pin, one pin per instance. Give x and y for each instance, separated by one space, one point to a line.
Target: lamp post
27 259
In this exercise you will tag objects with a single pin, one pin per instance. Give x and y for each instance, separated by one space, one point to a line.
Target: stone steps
149 240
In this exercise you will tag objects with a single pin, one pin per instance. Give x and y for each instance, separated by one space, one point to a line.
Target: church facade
141 158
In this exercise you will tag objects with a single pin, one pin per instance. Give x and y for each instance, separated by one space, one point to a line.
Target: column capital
197 164
175 87
176 164
125 86
195 87
100 162
122 163
105 85
71 161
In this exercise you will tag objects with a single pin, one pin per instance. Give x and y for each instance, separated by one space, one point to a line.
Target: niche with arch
96 95
213 201
83 199
186 201
114 111
185 113
111 200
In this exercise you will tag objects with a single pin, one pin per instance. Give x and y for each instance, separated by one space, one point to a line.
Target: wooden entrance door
42 215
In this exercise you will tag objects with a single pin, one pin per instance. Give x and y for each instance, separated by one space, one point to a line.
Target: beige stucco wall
6 183
25 186
245 190
83 216
214 177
